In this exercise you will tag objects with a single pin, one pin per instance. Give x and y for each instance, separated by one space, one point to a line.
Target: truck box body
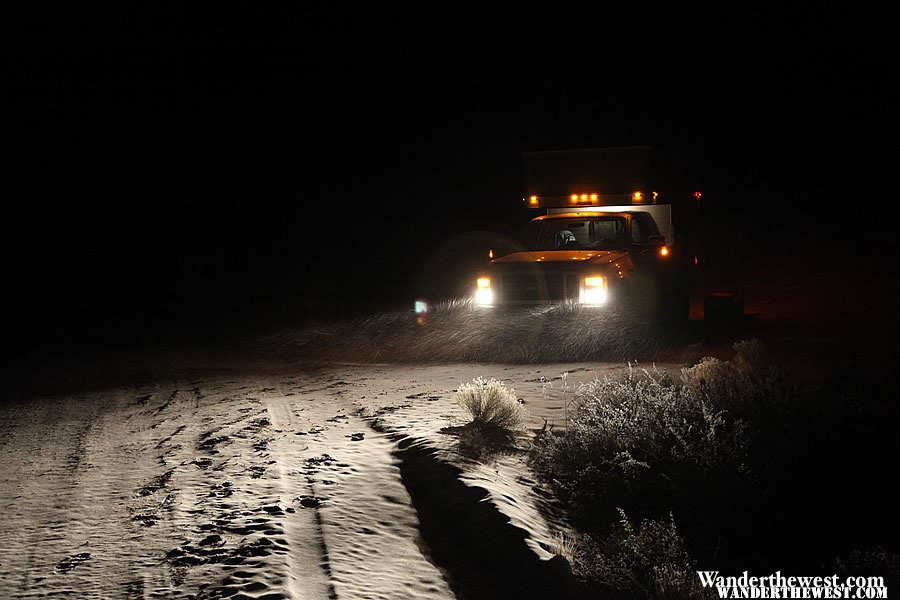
614 175
608 171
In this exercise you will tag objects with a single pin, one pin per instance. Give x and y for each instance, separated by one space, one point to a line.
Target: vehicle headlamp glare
593 292
484 296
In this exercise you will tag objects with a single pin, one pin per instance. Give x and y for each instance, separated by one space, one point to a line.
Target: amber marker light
638 196
593 197
491 254
664 251
533 201
584 197
574 197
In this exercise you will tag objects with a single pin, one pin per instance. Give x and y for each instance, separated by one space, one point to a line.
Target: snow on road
266 485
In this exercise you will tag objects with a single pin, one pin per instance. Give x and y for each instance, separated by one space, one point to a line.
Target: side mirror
656 240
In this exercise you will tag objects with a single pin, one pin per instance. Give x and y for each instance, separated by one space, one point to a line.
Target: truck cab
577 257
607 251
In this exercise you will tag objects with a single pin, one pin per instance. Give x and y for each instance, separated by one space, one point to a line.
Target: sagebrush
642 435
648 560
737 453
490 404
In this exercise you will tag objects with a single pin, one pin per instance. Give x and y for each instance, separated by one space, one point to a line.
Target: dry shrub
644 437
644 561
495 418
458 331
490 404
736 453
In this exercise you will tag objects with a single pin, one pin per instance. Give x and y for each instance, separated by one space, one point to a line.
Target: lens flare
484 297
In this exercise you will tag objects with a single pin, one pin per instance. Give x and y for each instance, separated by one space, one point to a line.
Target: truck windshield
582 233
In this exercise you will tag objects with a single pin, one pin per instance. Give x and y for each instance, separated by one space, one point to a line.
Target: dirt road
327 483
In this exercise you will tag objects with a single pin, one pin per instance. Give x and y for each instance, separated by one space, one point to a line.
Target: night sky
169 182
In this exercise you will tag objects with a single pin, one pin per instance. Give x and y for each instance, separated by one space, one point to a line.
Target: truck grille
537 287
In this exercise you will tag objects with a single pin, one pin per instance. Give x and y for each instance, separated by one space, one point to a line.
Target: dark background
169 181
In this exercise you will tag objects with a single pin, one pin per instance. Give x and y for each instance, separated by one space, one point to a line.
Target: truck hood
563 256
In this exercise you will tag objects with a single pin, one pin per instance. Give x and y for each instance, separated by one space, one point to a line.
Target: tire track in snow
68 530
262 486
228 514
309 567
354 498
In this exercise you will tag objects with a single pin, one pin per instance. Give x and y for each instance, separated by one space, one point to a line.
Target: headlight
484 296
593 290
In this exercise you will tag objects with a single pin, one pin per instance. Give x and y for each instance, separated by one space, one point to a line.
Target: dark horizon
174 193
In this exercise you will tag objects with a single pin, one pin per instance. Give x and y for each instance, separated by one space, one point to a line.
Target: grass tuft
458 331
490 404
495 416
